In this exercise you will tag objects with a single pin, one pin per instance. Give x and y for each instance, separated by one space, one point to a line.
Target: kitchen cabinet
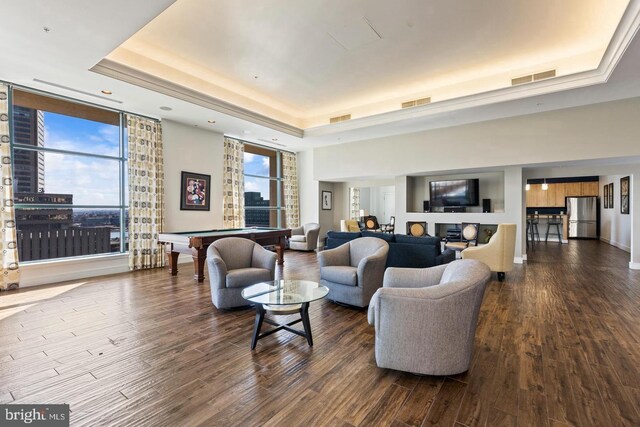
536 196
559 192
572 189
554 197
590 188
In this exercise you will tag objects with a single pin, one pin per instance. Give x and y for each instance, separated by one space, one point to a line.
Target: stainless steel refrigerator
584 218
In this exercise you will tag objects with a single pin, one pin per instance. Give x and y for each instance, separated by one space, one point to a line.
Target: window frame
121 158
279 207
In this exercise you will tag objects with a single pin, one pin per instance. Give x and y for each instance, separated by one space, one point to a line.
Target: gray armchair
425 318
235 263
304 238
353 271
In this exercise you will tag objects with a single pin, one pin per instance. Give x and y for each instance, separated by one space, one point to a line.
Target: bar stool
555 220
532 226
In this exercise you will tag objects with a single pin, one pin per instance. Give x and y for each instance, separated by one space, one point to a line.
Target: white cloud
251 186
91 181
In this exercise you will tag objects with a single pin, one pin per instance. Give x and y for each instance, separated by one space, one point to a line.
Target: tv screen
459 192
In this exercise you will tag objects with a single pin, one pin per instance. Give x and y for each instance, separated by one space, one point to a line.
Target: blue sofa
404 251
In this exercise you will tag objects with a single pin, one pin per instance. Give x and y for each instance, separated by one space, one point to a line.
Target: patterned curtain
233 186
291 198
8 246
354 203
146 193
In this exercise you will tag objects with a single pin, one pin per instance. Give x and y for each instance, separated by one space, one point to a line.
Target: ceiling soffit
181 78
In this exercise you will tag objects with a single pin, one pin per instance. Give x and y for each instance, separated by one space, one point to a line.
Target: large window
263 190
69 163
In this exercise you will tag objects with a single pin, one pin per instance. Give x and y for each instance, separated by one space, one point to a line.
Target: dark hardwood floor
558 344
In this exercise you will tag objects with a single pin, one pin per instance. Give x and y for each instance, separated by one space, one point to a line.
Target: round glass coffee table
283 297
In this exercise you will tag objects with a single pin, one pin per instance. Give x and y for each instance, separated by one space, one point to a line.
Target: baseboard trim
634 265
62 270
519 259
616 244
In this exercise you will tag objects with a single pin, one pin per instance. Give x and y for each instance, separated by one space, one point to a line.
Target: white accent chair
349 225
499 252
304 238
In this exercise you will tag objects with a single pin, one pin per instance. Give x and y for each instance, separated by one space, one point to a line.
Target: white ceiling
318 58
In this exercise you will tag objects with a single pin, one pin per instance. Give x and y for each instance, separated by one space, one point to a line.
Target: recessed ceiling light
106 92
274 139
46 29
247 132
211 121
166 108
255 77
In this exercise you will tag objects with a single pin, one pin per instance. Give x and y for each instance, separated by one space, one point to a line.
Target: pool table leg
199 256
280 250
172 257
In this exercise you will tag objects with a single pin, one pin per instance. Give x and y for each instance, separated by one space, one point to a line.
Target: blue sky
255 164
92 181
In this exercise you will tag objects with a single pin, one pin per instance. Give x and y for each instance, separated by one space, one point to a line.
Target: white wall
595 131
191 149
615 228
327 218
308 188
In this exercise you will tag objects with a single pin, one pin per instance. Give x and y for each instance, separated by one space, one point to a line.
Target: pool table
197 242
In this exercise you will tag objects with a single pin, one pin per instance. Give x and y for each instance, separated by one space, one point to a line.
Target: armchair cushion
344 275
298 238
242 277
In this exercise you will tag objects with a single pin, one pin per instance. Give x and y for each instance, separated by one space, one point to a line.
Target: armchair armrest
336 256
217 269
263 258
371 272
396 277
297 231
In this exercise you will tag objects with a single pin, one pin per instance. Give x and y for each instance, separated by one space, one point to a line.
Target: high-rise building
28 166
255 217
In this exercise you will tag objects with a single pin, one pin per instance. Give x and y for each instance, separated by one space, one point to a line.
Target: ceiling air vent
416 102
340 118
544 75
533 77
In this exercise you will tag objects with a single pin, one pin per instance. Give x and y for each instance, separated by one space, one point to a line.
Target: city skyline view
88 179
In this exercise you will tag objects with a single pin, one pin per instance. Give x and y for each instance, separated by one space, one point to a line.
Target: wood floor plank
557 344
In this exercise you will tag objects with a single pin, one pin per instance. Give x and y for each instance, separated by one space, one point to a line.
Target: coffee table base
260 318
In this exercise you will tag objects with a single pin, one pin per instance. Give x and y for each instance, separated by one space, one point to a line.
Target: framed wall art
624 195
194 193
606 196
327 200
611 195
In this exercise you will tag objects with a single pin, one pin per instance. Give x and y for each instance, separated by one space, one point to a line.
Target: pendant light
527 187
545 186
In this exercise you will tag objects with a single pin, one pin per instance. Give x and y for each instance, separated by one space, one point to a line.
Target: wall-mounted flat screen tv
459 192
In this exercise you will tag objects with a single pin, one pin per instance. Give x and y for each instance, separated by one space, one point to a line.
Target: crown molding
139 78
